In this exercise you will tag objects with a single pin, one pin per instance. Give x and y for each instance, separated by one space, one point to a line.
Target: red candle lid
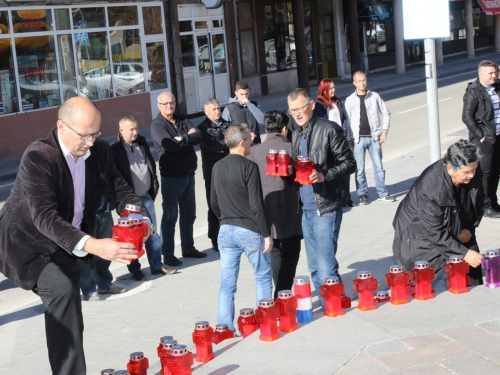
132 208
396 269
363 275
331 280
247 312
283 152
492 253
221 327
201 325
165 338
285 294
456 259
421 264
109 371
125 222
383 294
169 344
272 151
179 350
266 303
136 356
301 280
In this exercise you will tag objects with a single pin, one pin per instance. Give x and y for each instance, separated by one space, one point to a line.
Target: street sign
426 19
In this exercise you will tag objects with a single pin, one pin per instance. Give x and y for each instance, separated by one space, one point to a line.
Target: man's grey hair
211 101
236 133
462 153
294 94
125 119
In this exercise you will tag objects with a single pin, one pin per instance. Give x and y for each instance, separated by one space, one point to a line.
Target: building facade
122 54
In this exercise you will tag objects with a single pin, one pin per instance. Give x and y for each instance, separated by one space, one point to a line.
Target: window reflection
220 65
8 94
152 19
32 20
120 16
205 65
88 18
187 48
127 62
4 23
156 66
62 19
94 64
68 72
201 25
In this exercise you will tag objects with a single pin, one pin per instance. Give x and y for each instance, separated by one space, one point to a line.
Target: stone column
497 32
399 43
469 30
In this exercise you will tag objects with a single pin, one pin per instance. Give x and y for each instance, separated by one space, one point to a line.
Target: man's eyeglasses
84 137
167 104
296 111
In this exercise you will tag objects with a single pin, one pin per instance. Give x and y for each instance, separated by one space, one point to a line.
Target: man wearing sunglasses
44 224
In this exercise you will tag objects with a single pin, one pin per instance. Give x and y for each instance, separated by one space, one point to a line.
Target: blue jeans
321 234
94 270
178 200
233 241
153 244
375 150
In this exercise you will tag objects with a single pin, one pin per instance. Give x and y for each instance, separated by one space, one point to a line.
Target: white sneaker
386 198
92 297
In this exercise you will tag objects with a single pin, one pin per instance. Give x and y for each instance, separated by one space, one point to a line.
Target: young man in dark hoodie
241 110
481 114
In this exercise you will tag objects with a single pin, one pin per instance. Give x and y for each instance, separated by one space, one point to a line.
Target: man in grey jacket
363 108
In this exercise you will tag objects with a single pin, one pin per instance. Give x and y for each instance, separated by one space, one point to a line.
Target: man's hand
464 236
290 169
191 131
111 250
351 146
473 258
482 139
252 136
268 244
383 138
316 177
178 138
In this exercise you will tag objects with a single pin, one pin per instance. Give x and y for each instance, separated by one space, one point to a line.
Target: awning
490 7
372 10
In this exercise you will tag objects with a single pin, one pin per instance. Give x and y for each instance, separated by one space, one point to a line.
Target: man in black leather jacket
481 114
322 201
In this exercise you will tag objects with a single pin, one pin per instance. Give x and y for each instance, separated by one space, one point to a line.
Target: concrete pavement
449 334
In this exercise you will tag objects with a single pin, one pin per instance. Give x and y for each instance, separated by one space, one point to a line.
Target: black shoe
164 271
194 254
172 261
490 212
363 200
138 276
350 203
214 246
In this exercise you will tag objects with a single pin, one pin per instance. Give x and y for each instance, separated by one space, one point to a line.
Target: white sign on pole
423 19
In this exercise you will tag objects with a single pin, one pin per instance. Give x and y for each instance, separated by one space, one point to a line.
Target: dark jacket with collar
280 194
35 221
176 158
235 113
478 113
427 220
123 164
328 149
212 144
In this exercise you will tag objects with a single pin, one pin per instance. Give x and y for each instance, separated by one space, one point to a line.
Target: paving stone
473 337
384 348
420 341
473 364
362 364
427 369
492 326
492 355
428 354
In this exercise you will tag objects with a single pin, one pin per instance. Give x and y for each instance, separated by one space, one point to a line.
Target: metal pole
432 99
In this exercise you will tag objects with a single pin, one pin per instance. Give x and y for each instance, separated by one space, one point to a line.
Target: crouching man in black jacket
324 143
439 216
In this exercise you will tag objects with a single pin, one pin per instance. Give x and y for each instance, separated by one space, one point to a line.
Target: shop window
201 25
62 19
8 93
185 26
121 16
187 49
89 18
94 64
32 20
4 23
217 23
72 84
205 63
127 62
247 39
218 45
38 75
152 20
157 66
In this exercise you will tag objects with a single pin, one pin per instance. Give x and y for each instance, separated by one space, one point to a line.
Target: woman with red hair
330 107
